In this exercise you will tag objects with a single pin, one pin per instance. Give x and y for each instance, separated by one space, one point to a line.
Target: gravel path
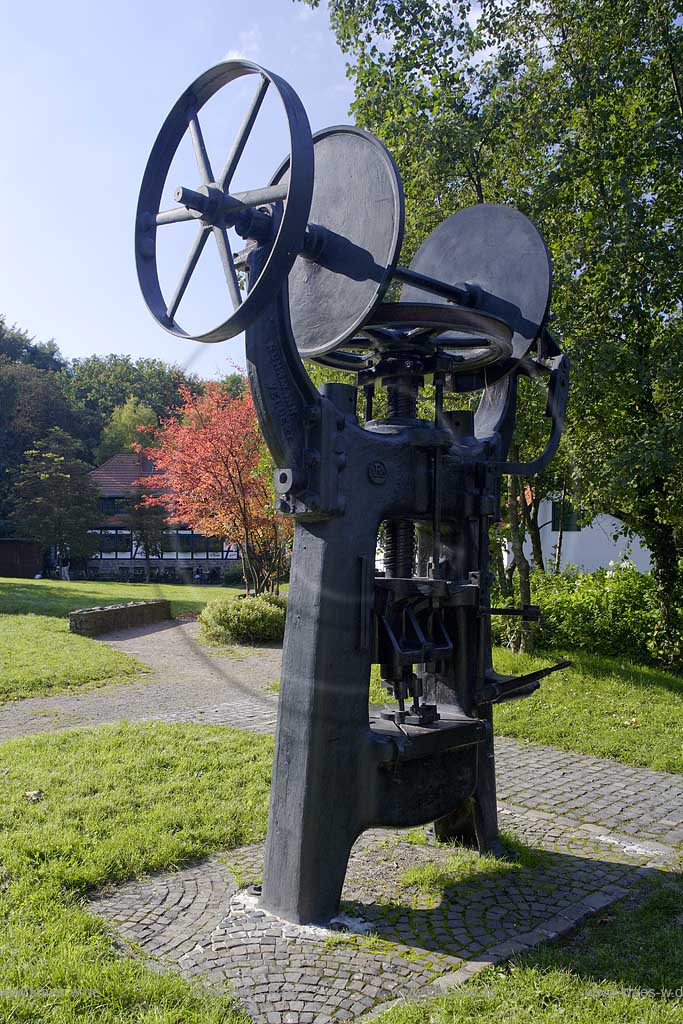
189 682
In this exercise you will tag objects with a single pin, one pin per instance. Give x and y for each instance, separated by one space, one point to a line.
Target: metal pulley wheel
216 208
503 258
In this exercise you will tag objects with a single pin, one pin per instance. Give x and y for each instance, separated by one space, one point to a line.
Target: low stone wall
93 621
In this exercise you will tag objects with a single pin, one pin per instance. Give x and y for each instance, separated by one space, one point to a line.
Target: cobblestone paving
635 801
203 922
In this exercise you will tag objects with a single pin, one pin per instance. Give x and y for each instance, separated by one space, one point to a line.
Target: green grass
58 597
119 801
436 877
38 655
601 706
624 967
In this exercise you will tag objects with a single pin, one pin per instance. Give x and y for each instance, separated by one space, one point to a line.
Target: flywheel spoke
201 155
192 260
223 243
243 136
174 216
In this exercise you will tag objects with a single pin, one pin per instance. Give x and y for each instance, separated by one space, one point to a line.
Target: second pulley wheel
501 256
353 240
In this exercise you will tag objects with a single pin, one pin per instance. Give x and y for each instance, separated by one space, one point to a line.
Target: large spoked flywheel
215 207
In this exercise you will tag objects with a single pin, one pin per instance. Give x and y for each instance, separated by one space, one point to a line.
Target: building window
568 516
112 543
176 544
112 506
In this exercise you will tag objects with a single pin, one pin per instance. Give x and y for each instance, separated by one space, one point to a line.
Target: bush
611 611
243 621
276 600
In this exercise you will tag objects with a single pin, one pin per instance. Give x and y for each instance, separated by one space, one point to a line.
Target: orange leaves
206 464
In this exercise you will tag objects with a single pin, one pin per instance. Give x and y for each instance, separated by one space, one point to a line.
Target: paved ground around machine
600 828
405 942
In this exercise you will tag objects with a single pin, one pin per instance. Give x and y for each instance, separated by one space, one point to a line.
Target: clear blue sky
85 88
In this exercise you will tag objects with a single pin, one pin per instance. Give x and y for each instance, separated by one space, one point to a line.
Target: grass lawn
38 654
123 800
600 706
624 967
58 597
119 801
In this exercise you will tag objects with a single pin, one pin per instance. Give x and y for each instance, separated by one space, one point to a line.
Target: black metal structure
324 237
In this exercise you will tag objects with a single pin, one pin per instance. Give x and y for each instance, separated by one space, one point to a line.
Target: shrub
611 611
276 600
242 621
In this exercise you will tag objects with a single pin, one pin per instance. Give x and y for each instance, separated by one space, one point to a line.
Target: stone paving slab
202 922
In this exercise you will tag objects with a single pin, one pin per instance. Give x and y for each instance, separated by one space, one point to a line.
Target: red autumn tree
213 473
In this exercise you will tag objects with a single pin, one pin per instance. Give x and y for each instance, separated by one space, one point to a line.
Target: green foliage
119 802
32 403
610 611
234 383
147 523
54 501
120 432
98 384
244 621
276 600
573 114
378 695
17 346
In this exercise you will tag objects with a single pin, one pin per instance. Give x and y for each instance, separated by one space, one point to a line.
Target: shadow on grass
134 631
58 598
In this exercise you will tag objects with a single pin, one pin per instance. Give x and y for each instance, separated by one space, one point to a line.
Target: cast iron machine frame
318 265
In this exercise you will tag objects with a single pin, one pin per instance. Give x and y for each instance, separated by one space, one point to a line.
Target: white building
587 547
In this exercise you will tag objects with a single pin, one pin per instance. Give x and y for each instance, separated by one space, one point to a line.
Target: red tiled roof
115 477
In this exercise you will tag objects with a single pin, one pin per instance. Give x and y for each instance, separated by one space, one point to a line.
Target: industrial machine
317 278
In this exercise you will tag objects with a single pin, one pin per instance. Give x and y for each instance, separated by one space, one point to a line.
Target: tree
121 431
55 503
101 383
18 346
235 384
32 404
147 524
213 474
574 114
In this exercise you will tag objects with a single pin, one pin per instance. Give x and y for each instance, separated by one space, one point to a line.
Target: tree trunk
530 510
560 533
503 582
660 541
525 643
